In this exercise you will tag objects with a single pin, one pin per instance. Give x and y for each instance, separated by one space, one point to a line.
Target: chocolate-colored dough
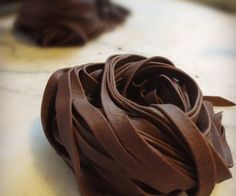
67 22
135 126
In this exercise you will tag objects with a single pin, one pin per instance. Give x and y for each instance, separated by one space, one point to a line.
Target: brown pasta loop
135 126
67 22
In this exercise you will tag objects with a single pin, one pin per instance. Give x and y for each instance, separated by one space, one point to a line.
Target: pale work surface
200 40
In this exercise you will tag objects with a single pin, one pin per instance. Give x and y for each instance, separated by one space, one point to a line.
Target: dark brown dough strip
67 22
135 126
219 101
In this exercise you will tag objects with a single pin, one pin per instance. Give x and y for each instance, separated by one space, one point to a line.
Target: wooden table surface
200 40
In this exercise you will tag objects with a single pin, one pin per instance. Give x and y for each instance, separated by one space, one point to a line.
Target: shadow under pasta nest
51 168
